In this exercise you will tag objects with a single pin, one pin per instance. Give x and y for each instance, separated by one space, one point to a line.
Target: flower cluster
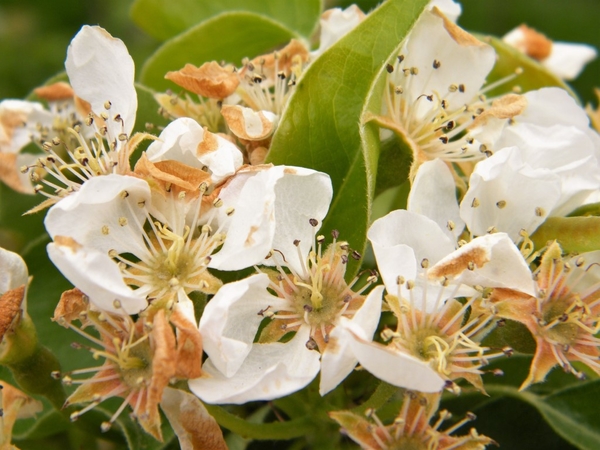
199 267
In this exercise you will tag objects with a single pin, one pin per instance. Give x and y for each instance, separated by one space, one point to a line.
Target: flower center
318 297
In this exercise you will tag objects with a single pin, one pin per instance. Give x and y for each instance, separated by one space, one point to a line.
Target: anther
320 239
539 212
296 242
436 64
475 202
313 222
389 68
355 255
311 344
424 263
335 234
501 204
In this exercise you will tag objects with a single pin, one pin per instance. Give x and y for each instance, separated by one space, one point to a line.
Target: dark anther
344 259
461 88
296 242
355 255
313 222
335 234
436 64
389 68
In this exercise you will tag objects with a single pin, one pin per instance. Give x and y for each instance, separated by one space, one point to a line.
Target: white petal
392 366
567 151
13 271
270 371
335 24
29 114
100 70
93 216
567 60
98 276
401 240
230 321
338 360
550 106
498 263
462 61
433 195
450 8
529 195
273 208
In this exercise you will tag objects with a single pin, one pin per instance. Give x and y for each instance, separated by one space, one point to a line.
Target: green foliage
164 19
320 126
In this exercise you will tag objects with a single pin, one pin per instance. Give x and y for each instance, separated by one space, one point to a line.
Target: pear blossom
154 240
101 73
412 427
434 90
563 314
423 273
564 59
311 299
140 358
542 162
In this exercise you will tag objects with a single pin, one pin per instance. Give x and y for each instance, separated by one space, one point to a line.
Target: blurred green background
34 34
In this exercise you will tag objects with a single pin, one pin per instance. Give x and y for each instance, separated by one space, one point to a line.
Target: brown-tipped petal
167 175
194 426
542 363
189 347
505 107
164 361
72 303
209 80
15 405
533 43
457 33
54 92
248 124
282 60
10 173
10 308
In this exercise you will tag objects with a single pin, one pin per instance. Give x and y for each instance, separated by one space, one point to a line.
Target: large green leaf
164 19
320 127
227 37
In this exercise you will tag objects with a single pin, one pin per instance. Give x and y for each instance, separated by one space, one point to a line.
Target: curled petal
209 80
248 124
230 321
270 371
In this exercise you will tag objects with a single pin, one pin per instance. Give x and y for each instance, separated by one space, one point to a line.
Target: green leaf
320 127
164 19
227 37
574 234
572 412
534 75
263 431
